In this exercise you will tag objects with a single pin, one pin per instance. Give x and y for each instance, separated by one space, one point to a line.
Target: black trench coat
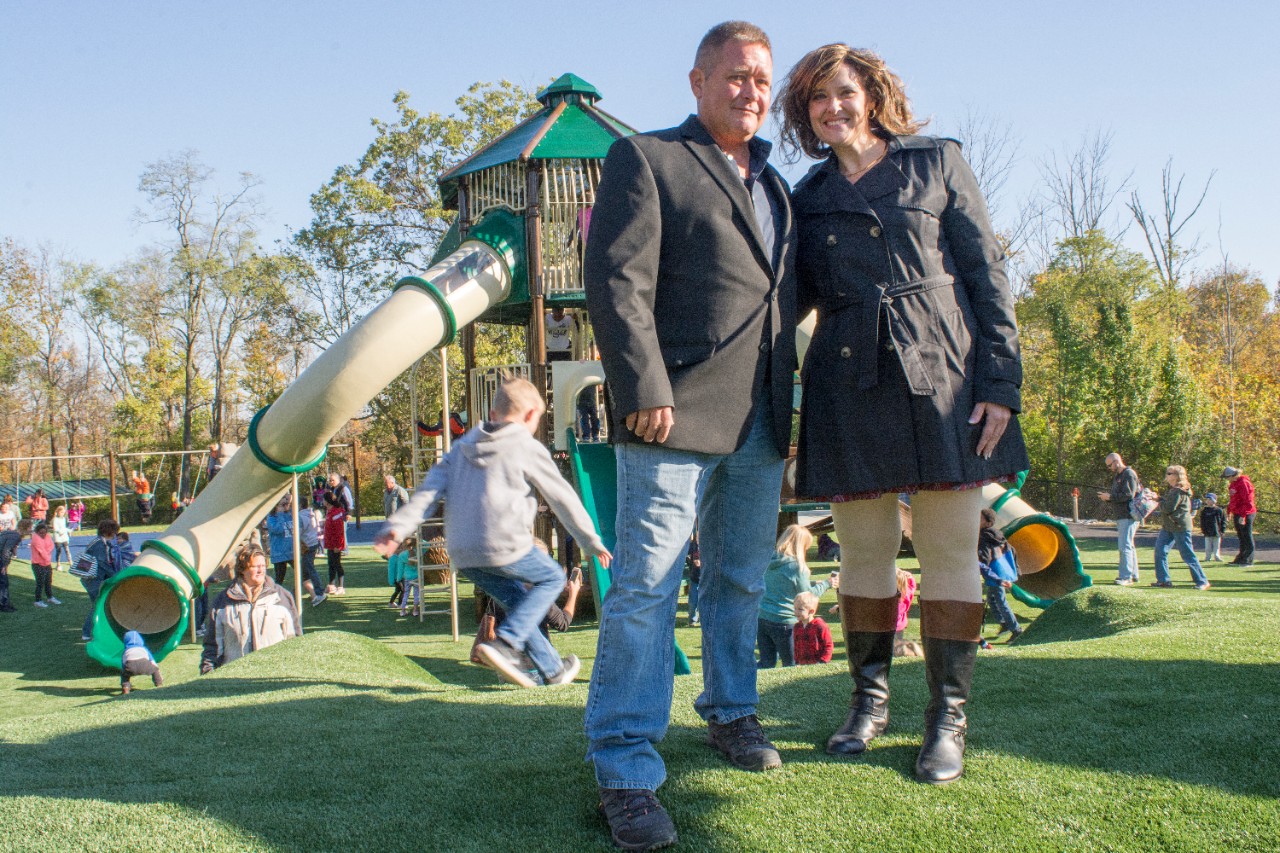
915 325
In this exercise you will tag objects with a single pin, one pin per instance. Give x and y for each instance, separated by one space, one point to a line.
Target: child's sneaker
318 599
510 664
570 666
54 601
984 645
41 604
125 689
157 680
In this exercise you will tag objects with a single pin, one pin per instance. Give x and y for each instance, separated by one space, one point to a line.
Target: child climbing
137 660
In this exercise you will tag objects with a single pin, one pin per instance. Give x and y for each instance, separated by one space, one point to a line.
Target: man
691 291
394 497
1123 489
560 329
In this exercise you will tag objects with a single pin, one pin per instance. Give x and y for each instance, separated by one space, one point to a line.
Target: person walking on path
1175 529
691 289
1242 507
1213 523
1124 487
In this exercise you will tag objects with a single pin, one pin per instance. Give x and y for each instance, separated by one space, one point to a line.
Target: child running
991 544
489 479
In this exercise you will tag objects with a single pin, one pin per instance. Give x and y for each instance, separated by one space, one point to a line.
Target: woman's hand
997 417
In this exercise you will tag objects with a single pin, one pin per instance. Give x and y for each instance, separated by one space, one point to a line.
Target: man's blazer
688 310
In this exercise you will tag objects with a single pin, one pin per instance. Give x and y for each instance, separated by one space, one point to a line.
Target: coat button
831 239
888 346
764 346
875 230
845 352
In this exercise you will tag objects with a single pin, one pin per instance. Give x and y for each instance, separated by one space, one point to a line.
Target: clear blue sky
91 92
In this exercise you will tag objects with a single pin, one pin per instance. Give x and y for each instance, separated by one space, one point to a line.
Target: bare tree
1079 189
206 226
1163 231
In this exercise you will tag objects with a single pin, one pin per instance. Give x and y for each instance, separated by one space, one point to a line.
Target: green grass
1125 719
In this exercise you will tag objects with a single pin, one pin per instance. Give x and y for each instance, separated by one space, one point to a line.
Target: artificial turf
1124 719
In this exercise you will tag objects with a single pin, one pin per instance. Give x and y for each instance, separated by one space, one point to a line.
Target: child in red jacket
811 638
335 541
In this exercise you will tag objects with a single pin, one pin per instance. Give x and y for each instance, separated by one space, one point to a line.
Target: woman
1175 529
1242 508
102 560
910 384
61 538
249 615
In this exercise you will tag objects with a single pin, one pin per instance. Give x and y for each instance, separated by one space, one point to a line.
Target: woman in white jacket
251 614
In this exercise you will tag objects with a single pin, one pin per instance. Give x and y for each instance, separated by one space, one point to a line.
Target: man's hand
1104 496
385 543
997 419
652 424
604 557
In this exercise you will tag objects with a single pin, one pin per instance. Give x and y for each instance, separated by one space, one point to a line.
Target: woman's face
840 109
1171 477
256 572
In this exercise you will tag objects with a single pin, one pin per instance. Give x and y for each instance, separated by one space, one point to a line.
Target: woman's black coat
915 325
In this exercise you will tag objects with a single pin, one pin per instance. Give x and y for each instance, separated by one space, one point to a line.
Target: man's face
334 480
1114 464
390 481
733 94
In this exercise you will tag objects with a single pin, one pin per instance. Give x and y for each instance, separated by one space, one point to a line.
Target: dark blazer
687 309
915 325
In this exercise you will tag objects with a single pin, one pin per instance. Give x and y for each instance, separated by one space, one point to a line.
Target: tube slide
152 595
1049 564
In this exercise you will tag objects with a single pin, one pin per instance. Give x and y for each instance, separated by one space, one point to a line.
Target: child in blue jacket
137 660
991 545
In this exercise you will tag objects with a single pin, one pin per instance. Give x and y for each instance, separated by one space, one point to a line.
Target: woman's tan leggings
944 529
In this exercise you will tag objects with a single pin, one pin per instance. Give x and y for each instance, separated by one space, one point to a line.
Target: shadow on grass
1191 721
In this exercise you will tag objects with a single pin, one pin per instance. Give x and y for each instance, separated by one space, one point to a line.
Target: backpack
1143 504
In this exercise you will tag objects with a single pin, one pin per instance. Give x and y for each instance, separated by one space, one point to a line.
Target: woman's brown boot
868 635
950 630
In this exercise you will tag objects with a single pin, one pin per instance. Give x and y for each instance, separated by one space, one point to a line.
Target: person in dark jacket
1125 486
691 290
1213 523
912 380
104 560
1175 529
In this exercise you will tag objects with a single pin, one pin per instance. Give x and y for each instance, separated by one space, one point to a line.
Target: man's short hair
988 515
721 34
516 396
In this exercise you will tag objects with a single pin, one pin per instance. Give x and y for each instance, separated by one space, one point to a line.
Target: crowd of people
1176 509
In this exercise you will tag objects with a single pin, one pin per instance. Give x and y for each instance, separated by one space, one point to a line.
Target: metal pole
297 552
355 478
111 474
444 393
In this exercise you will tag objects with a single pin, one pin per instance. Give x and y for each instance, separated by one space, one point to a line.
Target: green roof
568 126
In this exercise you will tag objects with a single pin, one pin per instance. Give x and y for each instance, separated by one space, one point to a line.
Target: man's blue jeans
661 493
1182 541
1125 530
526 608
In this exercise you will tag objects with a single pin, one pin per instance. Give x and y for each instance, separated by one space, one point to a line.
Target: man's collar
759 149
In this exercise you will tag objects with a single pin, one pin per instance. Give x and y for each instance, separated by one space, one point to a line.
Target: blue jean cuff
724 718
627 785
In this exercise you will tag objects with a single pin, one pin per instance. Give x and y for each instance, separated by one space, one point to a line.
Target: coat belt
867 344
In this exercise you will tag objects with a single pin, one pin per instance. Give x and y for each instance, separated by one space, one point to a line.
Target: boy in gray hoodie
489 478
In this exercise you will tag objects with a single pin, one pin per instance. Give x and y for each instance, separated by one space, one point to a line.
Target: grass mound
327 657
1105 611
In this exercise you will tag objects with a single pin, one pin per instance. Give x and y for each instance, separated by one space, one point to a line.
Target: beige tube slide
420 315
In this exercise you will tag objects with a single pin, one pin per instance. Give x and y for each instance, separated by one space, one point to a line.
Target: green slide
595 474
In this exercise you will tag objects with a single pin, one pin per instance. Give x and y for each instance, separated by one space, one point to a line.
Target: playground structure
515 247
